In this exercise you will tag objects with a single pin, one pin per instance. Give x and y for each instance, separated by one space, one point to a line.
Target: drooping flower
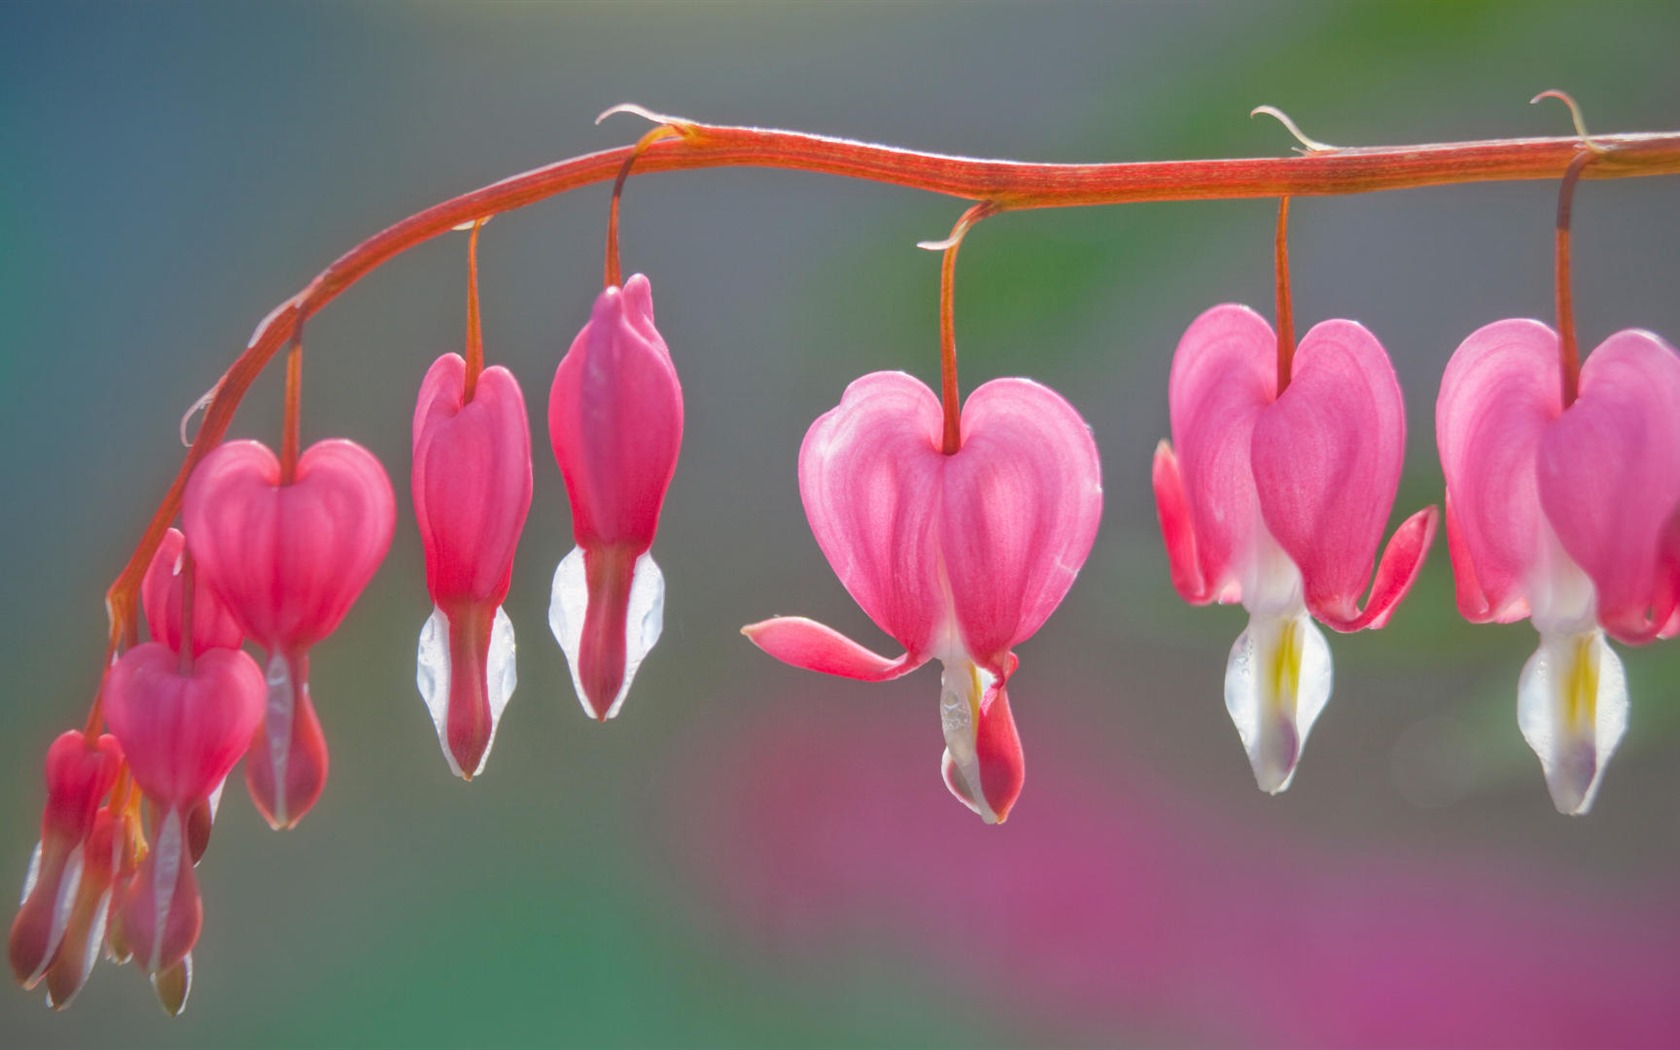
182 730
615 419
472 489
1279 501
288 559
958 557
213 626
1566 516
80 772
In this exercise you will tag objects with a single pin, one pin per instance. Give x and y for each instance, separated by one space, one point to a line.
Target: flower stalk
1010 185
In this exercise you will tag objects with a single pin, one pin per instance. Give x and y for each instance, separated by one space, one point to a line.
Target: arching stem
1285 306
1012 183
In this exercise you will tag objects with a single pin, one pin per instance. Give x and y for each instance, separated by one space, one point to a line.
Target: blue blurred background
751 855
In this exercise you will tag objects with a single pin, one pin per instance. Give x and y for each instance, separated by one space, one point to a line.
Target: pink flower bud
472 489
78 776
615 420
160 595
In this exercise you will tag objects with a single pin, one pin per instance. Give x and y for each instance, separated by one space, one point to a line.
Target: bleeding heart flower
80 771
1566 516
472 489
615 418
288 560
959 557
182 730
1279 501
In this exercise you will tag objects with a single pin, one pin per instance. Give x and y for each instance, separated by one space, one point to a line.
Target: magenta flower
181 731
615 419
288 559
472 489
213 623
1279 501
1567 516
958 557
80 772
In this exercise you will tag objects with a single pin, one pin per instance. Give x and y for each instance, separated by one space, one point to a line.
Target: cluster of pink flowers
1568 514
277 557
957 531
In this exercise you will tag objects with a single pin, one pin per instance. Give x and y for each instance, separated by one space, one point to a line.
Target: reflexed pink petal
472 481
1472 603
160 595
289 561
1327 458
1609 472
615 419
182 733
1500 390
1396 573
869 474
1223 373
1022 500
816 647
1176 529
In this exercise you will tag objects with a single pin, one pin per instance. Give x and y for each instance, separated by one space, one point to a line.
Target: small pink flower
615 419
472 489
288 560
181 732
958 557
79 774
1279 501
1566 516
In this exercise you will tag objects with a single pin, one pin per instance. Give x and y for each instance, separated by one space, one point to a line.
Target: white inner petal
1561 596
433 675
645 619
1572 709
962 685
277 728
1277 681
33 875
166 871
90 952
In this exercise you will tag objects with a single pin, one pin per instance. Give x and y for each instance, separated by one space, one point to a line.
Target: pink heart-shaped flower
289 560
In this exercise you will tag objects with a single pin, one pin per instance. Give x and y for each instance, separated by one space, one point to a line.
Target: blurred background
752 855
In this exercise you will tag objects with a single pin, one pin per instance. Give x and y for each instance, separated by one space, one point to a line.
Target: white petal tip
433 675
1277 682
1572 710
644 621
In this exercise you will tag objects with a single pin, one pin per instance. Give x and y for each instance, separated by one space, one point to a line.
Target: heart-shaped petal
181 733
870 477
1224 373
1609 479
1500 391
472 481
1021 503
1327 456
289 560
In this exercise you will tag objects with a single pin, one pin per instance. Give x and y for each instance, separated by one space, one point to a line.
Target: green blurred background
751 855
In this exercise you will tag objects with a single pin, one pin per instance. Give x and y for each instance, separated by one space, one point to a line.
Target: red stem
1569 358
475 334
614 276
949 394
1285 306
1010 184
289 422
186 656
